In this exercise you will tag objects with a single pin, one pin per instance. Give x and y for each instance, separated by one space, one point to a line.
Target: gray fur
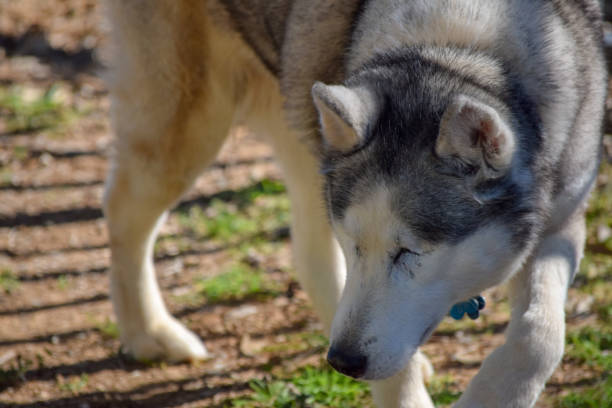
301 52
413 84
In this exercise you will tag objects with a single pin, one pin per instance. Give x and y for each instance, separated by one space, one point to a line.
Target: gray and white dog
452 149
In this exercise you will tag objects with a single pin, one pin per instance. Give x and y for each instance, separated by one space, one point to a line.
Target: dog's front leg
407 388
515 373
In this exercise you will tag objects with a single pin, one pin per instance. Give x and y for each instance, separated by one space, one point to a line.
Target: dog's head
429 196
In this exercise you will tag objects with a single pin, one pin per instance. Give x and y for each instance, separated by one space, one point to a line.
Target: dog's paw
168 340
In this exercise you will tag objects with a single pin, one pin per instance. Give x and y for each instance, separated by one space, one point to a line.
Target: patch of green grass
265 187
22 114
443 390
592 346
6 176
63 282
258 209
598 396
20 152
604 312
75 385
308 387
221 221
239 282
450 326
108 328
297 342
8 281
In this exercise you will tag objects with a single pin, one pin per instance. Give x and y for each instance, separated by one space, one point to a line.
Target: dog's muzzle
353 365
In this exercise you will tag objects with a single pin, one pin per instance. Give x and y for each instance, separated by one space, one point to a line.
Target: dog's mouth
386 373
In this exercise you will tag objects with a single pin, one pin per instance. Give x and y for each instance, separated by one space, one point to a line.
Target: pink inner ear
486 126
487 137
494 140
475 132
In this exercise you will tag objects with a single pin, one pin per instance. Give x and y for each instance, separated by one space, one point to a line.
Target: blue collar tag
472 307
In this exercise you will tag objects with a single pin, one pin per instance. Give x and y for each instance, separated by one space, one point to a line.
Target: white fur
515 374
389 328
381 312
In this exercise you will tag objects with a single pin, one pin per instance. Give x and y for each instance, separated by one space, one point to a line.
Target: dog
432 149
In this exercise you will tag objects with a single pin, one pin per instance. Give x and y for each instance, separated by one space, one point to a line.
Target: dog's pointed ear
343 114
475 133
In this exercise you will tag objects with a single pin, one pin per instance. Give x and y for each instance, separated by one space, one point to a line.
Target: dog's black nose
353 365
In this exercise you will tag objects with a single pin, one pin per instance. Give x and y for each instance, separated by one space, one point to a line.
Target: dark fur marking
412 94
261 23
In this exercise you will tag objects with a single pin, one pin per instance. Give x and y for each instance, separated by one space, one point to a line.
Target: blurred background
223 259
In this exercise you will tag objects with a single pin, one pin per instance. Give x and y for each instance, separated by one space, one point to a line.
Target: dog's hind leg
147 178
515 373
170 119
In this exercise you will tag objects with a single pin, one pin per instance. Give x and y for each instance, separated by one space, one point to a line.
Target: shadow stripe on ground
93 213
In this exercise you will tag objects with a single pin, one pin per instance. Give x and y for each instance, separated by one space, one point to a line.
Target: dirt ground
58 344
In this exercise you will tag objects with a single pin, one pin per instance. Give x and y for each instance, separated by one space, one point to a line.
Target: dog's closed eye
401 252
